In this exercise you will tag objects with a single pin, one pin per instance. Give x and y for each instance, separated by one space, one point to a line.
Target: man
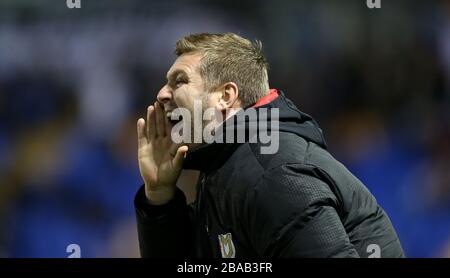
295 202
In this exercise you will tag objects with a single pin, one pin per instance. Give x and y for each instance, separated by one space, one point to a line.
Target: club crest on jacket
227 246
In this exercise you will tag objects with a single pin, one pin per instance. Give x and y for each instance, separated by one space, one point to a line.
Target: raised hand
160 160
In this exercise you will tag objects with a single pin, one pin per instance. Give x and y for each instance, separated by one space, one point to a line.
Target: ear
229 98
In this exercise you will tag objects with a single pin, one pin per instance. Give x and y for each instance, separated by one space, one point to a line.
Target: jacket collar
212 156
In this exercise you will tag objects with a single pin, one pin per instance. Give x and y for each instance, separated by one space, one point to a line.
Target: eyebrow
176 73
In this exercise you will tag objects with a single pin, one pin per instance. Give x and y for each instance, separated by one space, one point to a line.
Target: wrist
159 196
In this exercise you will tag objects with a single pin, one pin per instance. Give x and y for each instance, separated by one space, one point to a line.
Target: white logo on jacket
227 246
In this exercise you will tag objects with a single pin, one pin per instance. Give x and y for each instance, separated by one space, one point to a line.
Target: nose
164 95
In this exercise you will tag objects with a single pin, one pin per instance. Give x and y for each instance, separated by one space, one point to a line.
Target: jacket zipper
202 206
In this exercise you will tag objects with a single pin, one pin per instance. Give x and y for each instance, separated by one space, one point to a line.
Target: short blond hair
229 58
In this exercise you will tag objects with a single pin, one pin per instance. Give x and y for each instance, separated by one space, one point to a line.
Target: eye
180 81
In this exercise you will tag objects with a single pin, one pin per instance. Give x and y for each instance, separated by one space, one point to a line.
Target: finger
167 125
179 157
160 129
173 149
141 134
151 132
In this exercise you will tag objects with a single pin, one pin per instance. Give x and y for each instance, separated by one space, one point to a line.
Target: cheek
184 99
179 96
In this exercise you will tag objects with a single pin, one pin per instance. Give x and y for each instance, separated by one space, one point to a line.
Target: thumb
179 157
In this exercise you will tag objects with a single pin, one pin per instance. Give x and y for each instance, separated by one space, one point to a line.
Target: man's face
185 86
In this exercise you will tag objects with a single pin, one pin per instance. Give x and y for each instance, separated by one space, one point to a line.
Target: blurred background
73 82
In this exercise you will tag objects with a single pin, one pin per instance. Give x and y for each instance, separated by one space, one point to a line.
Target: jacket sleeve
163 231
299 216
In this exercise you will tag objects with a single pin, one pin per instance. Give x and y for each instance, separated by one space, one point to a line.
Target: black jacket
298 202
